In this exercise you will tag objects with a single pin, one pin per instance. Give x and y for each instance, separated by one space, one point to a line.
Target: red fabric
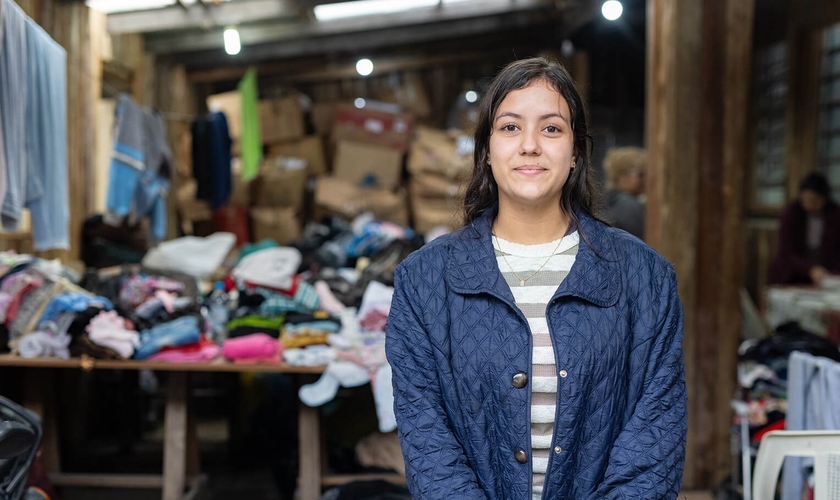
792 265
189 348
289 292
233 220
775 426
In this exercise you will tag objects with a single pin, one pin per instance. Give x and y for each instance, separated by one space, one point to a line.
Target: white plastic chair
824 446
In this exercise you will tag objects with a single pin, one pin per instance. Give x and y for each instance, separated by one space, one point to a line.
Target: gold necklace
522 281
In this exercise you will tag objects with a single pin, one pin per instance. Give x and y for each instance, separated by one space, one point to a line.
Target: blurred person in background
625 169
809 236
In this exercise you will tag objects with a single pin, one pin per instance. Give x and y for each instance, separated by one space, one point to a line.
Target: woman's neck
530 225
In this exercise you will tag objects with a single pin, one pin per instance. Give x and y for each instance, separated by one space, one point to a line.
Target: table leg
193 457
309 438
175 436
39 397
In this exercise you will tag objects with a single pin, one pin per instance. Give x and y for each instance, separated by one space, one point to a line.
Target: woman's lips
530 170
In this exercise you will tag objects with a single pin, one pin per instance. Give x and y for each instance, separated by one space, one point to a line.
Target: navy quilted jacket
455 338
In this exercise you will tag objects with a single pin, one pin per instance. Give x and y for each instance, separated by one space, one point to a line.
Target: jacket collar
594 277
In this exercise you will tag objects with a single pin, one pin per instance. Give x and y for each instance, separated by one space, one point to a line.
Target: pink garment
371 357
207 352
374 321
17 286
256 345
109 329
328 301
167 299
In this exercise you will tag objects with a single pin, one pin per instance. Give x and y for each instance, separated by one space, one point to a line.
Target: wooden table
180 453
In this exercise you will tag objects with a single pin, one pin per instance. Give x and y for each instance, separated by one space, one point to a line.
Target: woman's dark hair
579 192
816 182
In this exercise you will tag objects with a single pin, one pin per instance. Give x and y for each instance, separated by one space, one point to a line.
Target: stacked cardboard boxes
278 199
370 146
439 163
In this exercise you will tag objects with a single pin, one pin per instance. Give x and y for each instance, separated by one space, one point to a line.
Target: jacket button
520 455
520 380
557 449
563 373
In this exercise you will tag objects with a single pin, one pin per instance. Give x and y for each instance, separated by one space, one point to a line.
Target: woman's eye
551 129
509 127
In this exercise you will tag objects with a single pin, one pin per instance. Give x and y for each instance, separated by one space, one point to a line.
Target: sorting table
180 451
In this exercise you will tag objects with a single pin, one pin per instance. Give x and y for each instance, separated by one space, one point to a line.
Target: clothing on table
314 355
793 261
270 267
337 374
251 140
247 325
813 386
199 352
328 300
46 125
14 94
29 307
109 329
44 344
306 299
82 319
302 330
455 339
72 302
181 331
257 345
138 288
140 167
14 290
625 211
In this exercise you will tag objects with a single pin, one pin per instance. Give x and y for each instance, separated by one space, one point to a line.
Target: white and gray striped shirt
532 299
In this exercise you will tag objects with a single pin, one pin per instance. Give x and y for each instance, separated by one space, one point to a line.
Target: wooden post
699 74
175 436
309 437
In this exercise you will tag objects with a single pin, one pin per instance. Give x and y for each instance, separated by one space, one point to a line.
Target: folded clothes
184 330
109 329
306 299
200 352
248 325
44 344
329 302
13 291
72 302
317 355
138 287
258 345
29 307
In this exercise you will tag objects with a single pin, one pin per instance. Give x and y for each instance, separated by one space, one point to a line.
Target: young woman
536 352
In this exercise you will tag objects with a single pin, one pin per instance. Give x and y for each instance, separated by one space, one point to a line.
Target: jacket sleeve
647 459
435 464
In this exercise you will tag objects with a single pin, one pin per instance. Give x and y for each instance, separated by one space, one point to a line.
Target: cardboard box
429 213
437 151
281 183
241 192
348 200
431 185
279 224
190 208
357 162
309 148
374 127
322 116
281 119
229 103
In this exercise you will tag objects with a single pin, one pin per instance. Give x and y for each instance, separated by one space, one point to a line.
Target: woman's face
812 201
531 146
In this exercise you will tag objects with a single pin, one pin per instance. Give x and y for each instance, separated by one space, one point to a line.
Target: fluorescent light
364 67
232 43
333 11
116 6
471 96
612 9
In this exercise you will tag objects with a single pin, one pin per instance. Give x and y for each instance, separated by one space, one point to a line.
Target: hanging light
612 10
232 43
471 96
364 67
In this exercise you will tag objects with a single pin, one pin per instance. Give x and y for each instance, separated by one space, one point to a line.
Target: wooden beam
672 130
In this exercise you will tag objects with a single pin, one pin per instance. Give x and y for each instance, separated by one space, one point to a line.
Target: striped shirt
518 262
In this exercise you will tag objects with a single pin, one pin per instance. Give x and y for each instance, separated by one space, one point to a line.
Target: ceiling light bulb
232 43
364 67
612 9
359 103
471 96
